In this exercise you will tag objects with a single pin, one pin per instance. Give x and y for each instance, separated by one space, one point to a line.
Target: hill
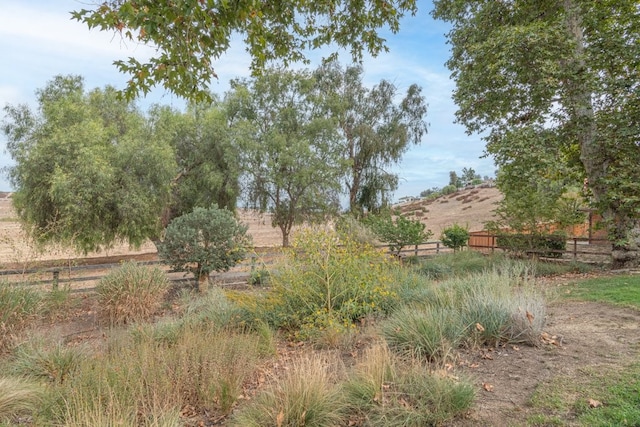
470 208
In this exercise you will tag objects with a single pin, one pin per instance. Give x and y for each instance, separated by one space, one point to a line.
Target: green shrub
547 245
132 292
397 231
259 277
324 282
19 304
448 189
455 237
203 241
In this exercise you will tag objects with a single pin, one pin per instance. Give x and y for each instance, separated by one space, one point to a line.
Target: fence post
415 252
575 248
56 277
438 247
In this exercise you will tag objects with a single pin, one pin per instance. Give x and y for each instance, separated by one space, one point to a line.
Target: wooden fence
587 249
578 248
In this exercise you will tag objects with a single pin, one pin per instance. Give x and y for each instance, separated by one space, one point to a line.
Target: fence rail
576 248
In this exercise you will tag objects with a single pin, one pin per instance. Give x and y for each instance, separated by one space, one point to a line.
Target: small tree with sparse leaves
397 231
203 241
455 237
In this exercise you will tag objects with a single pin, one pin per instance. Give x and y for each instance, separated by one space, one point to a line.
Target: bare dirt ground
578 334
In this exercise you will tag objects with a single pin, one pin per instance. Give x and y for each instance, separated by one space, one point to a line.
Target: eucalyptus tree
86 171
375 128
557 81
190 35
289 153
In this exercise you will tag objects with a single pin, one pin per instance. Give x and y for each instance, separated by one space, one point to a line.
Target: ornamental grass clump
431 333
19 305
17 398
389 391
132 293
307 394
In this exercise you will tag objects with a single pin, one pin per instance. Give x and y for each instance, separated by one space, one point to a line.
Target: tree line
92 169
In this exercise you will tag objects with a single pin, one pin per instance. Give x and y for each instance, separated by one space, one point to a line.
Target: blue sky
38 40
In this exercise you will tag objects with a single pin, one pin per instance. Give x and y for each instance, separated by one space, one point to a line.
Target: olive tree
204 241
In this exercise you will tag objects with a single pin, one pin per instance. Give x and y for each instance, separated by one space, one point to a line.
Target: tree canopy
191 35
92 170
87 172
289 152
376 129
559 82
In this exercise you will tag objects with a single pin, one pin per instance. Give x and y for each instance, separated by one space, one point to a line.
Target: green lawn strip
623 290
593 396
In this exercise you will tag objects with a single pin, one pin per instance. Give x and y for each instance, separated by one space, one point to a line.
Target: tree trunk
623 231
202 281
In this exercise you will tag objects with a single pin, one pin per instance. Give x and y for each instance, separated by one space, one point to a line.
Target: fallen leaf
479 327
515 348
474 365
594 403
280 418
530 317
488 387
487 356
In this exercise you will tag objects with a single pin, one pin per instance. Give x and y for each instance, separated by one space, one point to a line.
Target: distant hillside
470 208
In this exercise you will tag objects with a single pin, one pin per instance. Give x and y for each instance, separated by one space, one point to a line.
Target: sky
38 40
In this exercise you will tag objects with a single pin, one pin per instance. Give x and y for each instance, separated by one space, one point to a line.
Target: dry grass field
470 208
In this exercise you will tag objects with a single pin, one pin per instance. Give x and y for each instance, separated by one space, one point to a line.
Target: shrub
397 231
18 305
547 245
455 237
327 283
203 241
305 395
449 189
132 292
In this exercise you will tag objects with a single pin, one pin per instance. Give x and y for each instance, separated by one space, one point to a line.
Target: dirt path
580 334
